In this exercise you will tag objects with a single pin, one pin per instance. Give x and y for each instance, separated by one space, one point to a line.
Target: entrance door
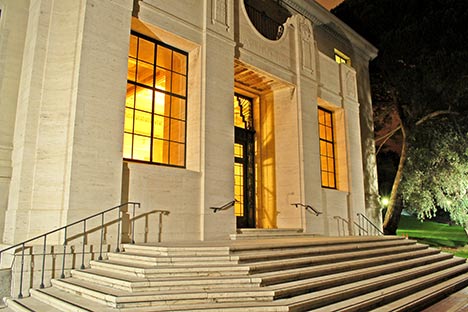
244 163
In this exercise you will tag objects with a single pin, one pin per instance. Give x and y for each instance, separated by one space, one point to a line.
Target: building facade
183 106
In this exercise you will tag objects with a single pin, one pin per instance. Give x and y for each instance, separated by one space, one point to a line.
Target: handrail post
133 223
84 242
20 295
64 253
117 249
102 236
43 261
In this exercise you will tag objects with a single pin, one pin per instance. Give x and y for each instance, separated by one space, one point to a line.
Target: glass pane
323 148
177 154
158 127
128 120
329 150
127 145
331 165
179 63
145 74
323 163
161 103
132 51
322 132
142 123
178 108
130 100
324 179
131 69
160 151
164 57
331 180
329 134
178 84
321 116
177 131
328 121
163 79
146 51
141 148
238 150
144 100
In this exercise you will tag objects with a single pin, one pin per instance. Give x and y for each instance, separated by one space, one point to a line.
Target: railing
84 233
225 206
367 225
267 26
308 208
342 226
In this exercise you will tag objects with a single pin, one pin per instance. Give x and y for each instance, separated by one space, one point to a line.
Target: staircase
297 273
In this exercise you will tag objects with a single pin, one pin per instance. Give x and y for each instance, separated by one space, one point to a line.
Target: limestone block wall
13 23
67 156
206 30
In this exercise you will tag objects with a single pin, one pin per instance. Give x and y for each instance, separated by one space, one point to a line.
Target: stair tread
320 250
125 294
339 257
343 265
96 306
352 275
74 302
136 279
169 259
158 267
366 296
30 303
432 292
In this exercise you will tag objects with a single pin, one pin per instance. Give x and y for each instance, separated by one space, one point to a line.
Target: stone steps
153 271
367 294
287 274
131 284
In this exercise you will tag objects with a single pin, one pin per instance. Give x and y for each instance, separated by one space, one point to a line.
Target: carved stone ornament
350 82
219 13
305 28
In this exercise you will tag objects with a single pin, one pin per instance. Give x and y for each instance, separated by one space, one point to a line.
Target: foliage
436 173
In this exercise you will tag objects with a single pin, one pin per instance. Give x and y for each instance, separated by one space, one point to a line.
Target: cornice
318 15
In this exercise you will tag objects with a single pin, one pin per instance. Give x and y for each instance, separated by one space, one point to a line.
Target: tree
436 173
421 71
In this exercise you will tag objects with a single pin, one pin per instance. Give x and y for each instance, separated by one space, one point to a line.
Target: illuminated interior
155 107
239 181
327 153
340 57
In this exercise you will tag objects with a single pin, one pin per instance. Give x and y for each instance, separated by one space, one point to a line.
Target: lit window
327 153
340 57
156 104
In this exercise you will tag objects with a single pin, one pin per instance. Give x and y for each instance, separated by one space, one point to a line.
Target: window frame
153 88
327 142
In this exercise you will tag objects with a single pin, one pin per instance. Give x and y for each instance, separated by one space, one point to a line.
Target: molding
320 16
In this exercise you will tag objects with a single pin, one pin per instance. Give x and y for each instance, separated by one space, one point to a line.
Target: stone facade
63 71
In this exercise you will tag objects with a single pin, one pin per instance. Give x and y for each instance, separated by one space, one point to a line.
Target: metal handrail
225 206
65 228
308 208
343 221
364 219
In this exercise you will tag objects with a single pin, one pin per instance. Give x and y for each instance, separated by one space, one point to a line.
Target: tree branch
435 114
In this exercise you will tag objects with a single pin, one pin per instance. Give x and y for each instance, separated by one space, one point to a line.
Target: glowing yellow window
156 104
327 153
340 57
